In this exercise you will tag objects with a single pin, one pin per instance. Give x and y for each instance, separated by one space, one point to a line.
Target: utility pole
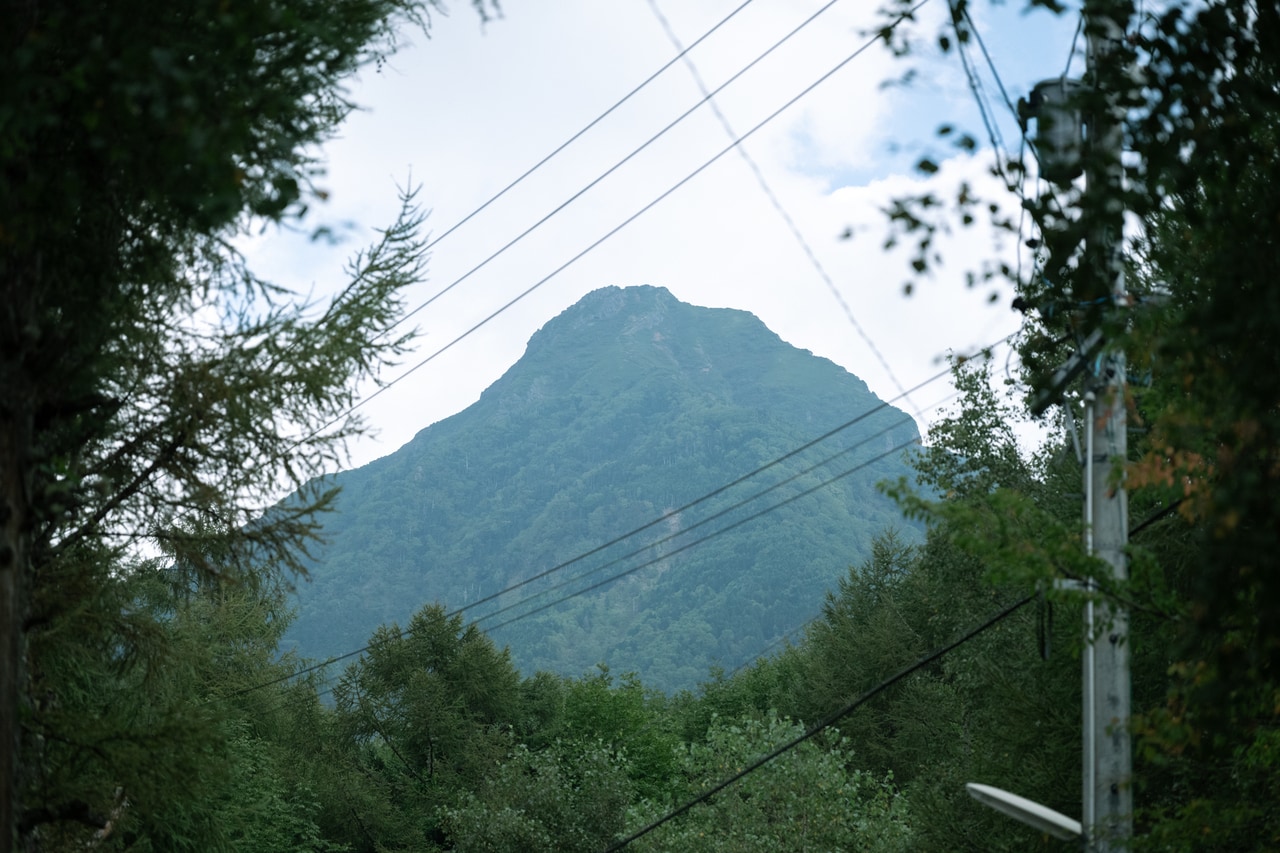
1108 761
1057 104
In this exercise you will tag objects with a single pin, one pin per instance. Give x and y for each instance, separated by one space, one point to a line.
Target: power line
618 539
670 125
755 515
1023 143
988 119
881 34
1071 54
1008 102
632 570
1158 515
715 516
682 52
975 86
961 12
563 145
982 45
831 720
706 520
715 493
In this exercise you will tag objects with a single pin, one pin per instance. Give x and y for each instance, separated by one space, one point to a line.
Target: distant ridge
626 406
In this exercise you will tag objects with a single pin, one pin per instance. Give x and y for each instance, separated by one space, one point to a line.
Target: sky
463 111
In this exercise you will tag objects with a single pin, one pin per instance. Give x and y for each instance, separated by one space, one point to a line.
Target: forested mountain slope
624 408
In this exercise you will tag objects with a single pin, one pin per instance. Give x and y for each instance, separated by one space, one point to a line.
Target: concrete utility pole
1061 139
1108 762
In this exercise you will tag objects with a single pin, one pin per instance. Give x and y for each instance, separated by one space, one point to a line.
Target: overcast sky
467 110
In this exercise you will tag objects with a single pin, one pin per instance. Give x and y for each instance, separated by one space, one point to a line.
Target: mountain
624 409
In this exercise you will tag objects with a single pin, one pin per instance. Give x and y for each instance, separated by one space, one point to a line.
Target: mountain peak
625 309
605 302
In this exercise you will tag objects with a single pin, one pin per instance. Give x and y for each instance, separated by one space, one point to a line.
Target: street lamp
1031 813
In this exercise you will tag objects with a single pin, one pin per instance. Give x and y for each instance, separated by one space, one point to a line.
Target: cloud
470 109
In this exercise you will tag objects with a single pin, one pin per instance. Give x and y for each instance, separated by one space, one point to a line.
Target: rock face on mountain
625 410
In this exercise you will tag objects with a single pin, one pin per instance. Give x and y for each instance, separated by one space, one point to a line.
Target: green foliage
973 449
769 683
123 745
159 396
568 797
270 815
187 411
811 798
425 713
1018 515
992 710
138 738
1214 426
1200 127
626 719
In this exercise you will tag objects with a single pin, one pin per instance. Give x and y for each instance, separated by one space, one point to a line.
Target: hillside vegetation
625 408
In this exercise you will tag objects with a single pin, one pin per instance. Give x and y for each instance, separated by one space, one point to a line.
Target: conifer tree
155 391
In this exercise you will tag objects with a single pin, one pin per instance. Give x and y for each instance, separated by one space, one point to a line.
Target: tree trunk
15 444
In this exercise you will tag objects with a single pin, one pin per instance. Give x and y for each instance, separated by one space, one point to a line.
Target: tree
156 391
622 717
273 815
569 796
812 798
1211 410
153 725
427 712
1198 91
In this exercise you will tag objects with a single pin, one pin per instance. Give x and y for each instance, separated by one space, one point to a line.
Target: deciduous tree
1198 90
